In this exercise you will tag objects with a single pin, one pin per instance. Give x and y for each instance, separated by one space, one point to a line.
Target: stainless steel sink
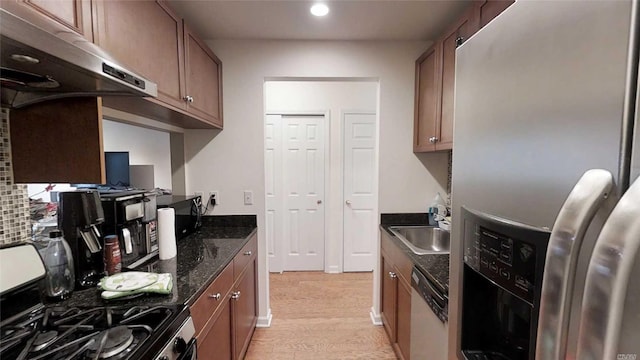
423 240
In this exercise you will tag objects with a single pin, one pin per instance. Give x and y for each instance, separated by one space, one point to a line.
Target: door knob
319 202
348 202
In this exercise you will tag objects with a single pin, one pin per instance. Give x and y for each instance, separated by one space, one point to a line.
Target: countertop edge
194 297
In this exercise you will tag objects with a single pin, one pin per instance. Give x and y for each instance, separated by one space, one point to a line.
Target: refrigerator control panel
509 254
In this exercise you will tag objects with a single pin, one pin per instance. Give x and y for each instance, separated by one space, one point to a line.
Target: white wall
234 160
145 147
333 97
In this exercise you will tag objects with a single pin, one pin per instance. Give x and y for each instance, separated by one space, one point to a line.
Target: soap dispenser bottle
434 210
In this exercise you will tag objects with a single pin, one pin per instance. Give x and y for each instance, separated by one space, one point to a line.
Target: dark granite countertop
434 266
201 257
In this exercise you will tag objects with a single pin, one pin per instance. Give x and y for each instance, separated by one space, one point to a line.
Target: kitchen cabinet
58 17
226 313
455 37
161 47
489 9
150 45
203 79
396 296
435 78
49 146
427 100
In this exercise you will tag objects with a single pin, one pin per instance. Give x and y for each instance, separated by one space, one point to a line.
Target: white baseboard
376 319
333 270
265 321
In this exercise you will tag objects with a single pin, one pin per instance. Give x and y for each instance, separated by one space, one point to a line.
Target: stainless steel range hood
39 66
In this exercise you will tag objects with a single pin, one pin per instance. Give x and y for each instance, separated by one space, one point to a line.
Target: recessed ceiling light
319 9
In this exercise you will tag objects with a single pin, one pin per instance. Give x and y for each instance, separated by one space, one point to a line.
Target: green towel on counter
164 286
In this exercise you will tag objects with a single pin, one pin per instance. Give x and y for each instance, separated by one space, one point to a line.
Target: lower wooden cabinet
396 296
224 329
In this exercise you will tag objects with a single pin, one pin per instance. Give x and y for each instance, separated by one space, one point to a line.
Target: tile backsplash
14 199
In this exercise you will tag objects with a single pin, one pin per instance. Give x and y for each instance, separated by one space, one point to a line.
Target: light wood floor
320 316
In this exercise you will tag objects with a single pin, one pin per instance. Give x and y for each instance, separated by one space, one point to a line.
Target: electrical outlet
214 198
248 197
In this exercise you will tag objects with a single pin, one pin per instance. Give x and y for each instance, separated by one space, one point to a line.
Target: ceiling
347 19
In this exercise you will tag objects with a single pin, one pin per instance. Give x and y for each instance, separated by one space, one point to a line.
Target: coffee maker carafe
123 217
80 215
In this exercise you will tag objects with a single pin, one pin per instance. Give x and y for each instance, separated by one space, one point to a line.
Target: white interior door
295 192
359 191
273 191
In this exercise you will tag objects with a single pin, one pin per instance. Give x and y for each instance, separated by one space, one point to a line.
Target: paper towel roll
167 233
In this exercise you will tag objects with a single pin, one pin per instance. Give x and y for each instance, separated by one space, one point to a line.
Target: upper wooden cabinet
435 78
150 45
45 142
161 47
489 9
56 16
427 102
455 37
203 79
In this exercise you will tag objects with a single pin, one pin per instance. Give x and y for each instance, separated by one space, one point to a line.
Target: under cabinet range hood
38 66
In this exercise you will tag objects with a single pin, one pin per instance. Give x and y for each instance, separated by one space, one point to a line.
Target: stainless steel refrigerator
544 93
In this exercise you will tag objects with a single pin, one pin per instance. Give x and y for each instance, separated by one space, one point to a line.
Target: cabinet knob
188 98
214 296
433 139
459 41
248 253
348 202
392 275
235 295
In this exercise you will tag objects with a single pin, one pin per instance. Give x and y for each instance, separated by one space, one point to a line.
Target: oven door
191 353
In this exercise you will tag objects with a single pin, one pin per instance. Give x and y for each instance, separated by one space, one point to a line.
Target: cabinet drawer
206 305
245 255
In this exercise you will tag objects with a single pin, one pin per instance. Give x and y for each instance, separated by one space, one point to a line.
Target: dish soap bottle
435 209
58 260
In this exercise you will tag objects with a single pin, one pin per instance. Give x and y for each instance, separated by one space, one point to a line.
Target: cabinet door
427 101
489 9
245 310
404 320
388 300
216 343
46 137
454 38
203 79
73 15
145 36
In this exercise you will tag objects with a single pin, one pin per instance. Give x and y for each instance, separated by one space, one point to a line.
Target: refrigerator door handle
608 280
577 212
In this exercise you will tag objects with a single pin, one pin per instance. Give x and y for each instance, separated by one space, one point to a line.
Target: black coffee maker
124 211
80 215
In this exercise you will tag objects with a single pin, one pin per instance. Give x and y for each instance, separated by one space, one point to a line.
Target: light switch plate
248 197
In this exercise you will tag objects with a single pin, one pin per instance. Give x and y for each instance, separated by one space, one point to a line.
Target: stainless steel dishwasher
429 309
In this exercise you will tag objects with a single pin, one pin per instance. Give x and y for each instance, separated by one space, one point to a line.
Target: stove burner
115 340
44 339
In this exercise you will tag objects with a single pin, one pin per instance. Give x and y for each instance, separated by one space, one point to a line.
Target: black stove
29 330
111 333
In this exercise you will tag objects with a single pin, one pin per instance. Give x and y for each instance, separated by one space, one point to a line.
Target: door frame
376 170
280 256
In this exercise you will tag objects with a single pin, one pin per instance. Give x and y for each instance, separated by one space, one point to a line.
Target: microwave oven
188 210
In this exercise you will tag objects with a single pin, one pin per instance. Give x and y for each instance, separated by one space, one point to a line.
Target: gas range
112 333
29 330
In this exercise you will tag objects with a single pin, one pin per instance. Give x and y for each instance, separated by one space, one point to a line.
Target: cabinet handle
248 253
433 139
392 275
188 98
235 295
216 296
459 41
348 202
